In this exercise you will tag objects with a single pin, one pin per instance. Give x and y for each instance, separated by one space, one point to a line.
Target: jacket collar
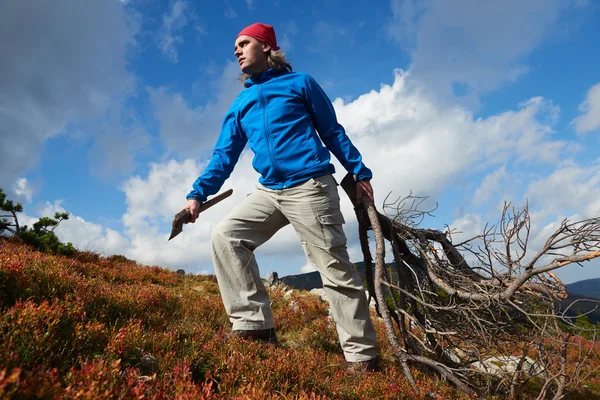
264 76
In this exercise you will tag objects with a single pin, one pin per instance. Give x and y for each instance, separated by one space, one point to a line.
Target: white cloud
413 144
410 142
285 32
590 120
570 189
119 140
544 223
326 33
63 63
173 23
492 184
200 30
308 267
22 188
84 235
230 12
190 131
466 227
407 137
152 202
475 45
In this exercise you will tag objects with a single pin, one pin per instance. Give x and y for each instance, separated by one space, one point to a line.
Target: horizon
110 110
313 272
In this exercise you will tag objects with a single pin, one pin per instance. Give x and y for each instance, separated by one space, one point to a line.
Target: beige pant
313 209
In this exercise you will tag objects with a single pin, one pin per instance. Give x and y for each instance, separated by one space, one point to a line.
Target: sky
109 109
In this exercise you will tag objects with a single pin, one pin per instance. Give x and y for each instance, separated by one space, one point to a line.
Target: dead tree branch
482 314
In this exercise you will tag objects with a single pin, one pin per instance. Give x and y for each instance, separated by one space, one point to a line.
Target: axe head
184 216
180 218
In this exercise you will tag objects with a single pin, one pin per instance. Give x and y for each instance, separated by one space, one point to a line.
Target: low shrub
104 328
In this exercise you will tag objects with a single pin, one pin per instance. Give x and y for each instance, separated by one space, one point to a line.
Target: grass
85 327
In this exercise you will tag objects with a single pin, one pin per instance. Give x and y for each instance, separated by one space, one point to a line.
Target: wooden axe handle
183 216
220 197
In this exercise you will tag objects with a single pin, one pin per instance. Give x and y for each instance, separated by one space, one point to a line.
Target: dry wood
482 314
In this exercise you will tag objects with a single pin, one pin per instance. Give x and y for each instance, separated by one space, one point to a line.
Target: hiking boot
359 367
261 335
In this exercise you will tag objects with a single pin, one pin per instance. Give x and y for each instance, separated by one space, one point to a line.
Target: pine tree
42 235
7 206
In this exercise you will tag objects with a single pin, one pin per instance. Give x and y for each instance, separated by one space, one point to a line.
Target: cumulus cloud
466 227
58 69
431 145
408 140
472 46
308 267
410 143
173 23
23 189
590 119
490 185
191 130
570 189
542 228
285 33
153 201
83 234
120 140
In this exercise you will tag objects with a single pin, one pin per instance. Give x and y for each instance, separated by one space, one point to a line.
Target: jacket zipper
268 137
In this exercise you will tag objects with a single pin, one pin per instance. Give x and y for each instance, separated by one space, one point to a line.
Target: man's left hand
364 189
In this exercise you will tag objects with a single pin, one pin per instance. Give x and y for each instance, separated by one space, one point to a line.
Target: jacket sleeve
227 151
331 132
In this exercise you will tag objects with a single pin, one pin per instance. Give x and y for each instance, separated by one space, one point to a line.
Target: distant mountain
582 305
312 280
583 290
307 281
587 288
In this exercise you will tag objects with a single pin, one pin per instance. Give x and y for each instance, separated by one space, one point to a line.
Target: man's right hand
193 206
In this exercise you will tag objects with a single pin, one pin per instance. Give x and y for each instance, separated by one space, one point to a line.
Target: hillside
103 328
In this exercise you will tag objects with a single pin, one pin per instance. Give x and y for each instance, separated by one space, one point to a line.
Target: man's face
251 55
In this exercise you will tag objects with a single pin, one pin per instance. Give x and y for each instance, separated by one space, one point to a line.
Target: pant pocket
331 229
324 182
317 185
331 219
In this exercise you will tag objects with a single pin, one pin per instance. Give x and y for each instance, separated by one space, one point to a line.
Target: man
291 126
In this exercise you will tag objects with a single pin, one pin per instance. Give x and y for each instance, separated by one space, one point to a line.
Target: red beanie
263 32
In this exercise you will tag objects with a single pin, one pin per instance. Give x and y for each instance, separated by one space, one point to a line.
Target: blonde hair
275 59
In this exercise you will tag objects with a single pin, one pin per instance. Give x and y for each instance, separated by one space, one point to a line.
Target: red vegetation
101 328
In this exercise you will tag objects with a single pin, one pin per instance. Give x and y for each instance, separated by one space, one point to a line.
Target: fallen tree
479 313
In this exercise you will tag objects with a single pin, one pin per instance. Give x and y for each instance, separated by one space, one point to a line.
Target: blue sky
109 109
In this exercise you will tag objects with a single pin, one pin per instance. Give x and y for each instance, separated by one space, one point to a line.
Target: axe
184 215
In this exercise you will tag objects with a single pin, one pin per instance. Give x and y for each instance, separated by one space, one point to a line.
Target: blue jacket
290 125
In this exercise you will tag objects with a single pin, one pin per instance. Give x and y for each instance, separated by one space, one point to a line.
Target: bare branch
461 309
